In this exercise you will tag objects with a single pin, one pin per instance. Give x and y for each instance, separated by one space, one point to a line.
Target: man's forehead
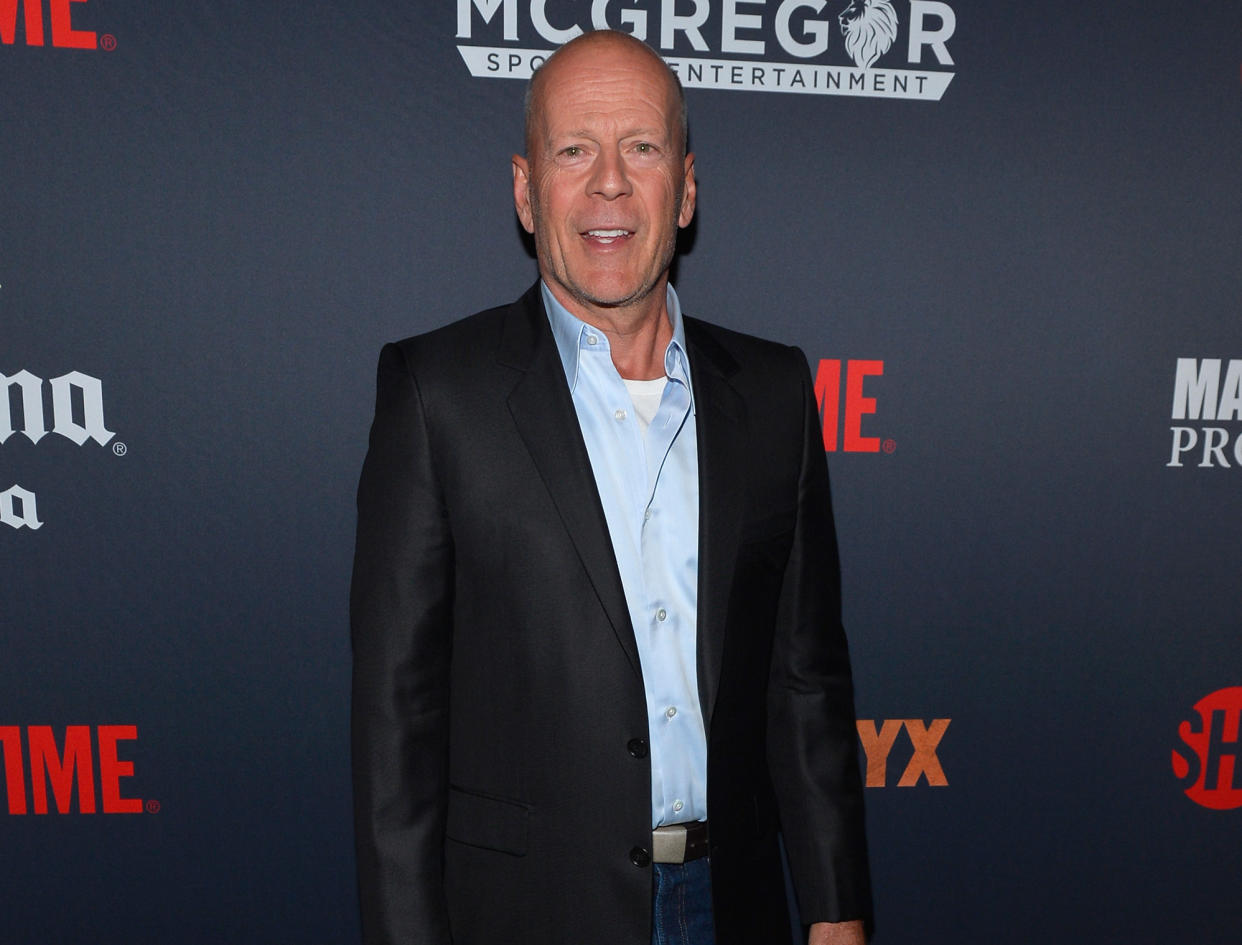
604 75
579 110
573 100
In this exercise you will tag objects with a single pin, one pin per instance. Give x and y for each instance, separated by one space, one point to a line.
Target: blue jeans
681 911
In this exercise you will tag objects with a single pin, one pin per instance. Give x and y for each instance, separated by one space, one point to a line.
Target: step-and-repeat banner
1007 236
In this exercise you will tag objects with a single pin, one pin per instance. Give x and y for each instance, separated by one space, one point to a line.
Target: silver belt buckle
668 844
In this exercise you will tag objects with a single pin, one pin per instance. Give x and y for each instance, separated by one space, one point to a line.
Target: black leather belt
679 843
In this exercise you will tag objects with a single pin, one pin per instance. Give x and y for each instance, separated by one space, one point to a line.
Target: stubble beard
561 276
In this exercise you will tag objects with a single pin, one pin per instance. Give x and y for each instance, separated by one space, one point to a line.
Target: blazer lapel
720 418
543 411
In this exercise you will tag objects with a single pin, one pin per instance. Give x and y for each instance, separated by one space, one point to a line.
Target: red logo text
1209 767
63 33
828 395
69 769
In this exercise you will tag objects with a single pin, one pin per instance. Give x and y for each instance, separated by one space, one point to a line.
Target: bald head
586 52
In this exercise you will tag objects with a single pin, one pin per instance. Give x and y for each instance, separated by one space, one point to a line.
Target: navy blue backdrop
213 214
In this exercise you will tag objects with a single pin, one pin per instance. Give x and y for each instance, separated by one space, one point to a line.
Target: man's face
605 185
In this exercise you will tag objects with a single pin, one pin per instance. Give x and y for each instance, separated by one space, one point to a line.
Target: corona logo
856 405
77 407
69 770
18 508
924 763
62 32
1209 766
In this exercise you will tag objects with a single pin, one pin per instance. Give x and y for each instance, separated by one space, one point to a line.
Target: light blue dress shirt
649 486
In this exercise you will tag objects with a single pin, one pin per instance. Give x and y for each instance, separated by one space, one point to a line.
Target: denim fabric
682 910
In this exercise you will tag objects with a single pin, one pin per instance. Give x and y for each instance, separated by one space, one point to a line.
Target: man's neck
638 334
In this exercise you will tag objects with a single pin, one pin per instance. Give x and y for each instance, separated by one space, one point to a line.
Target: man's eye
572 151
644 148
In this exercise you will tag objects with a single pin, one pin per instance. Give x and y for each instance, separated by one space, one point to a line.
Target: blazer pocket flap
494 823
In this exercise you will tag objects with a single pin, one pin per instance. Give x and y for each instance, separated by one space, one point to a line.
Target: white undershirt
646 397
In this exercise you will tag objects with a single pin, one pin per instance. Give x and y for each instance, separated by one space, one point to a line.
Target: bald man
598 656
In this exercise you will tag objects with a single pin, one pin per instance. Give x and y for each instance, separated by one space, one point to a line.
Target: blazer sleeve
812 734
401 604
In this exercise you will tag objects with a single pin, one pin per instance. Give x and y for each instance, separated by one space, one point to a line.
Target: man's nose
609 178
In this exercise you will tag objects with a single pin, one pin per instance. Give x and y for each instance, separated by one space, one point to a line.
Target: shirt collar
571 333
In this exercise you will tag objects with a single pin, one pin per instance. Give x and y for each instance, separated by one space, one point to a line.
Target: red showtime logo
68 767
63 34
848 421
1209 767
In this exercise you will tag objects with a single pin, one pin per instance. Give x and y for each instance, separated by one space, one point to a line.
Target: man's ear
521 192
689 193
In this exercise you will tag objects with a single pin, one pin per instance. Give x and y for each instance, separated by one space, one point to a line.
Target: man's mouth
608 236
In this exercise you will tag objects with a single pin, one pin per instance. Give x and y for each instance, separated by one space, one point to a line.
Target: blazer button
637 747
640 857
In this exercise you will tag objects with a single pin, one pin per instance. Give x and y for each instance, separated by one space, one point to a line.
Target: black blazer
501 774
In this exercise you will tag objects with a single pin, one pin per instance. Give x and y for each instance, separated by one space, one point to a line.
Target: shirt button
661 615
637 747
640 857
592 340
677 805
620 414
647 516
670 711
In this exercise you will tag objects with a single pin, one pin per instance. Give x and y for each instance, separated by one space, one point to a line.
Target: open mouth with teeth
607 237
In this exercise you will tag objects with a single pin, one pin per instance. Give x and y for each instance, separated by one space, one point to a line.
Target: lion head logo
869 28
